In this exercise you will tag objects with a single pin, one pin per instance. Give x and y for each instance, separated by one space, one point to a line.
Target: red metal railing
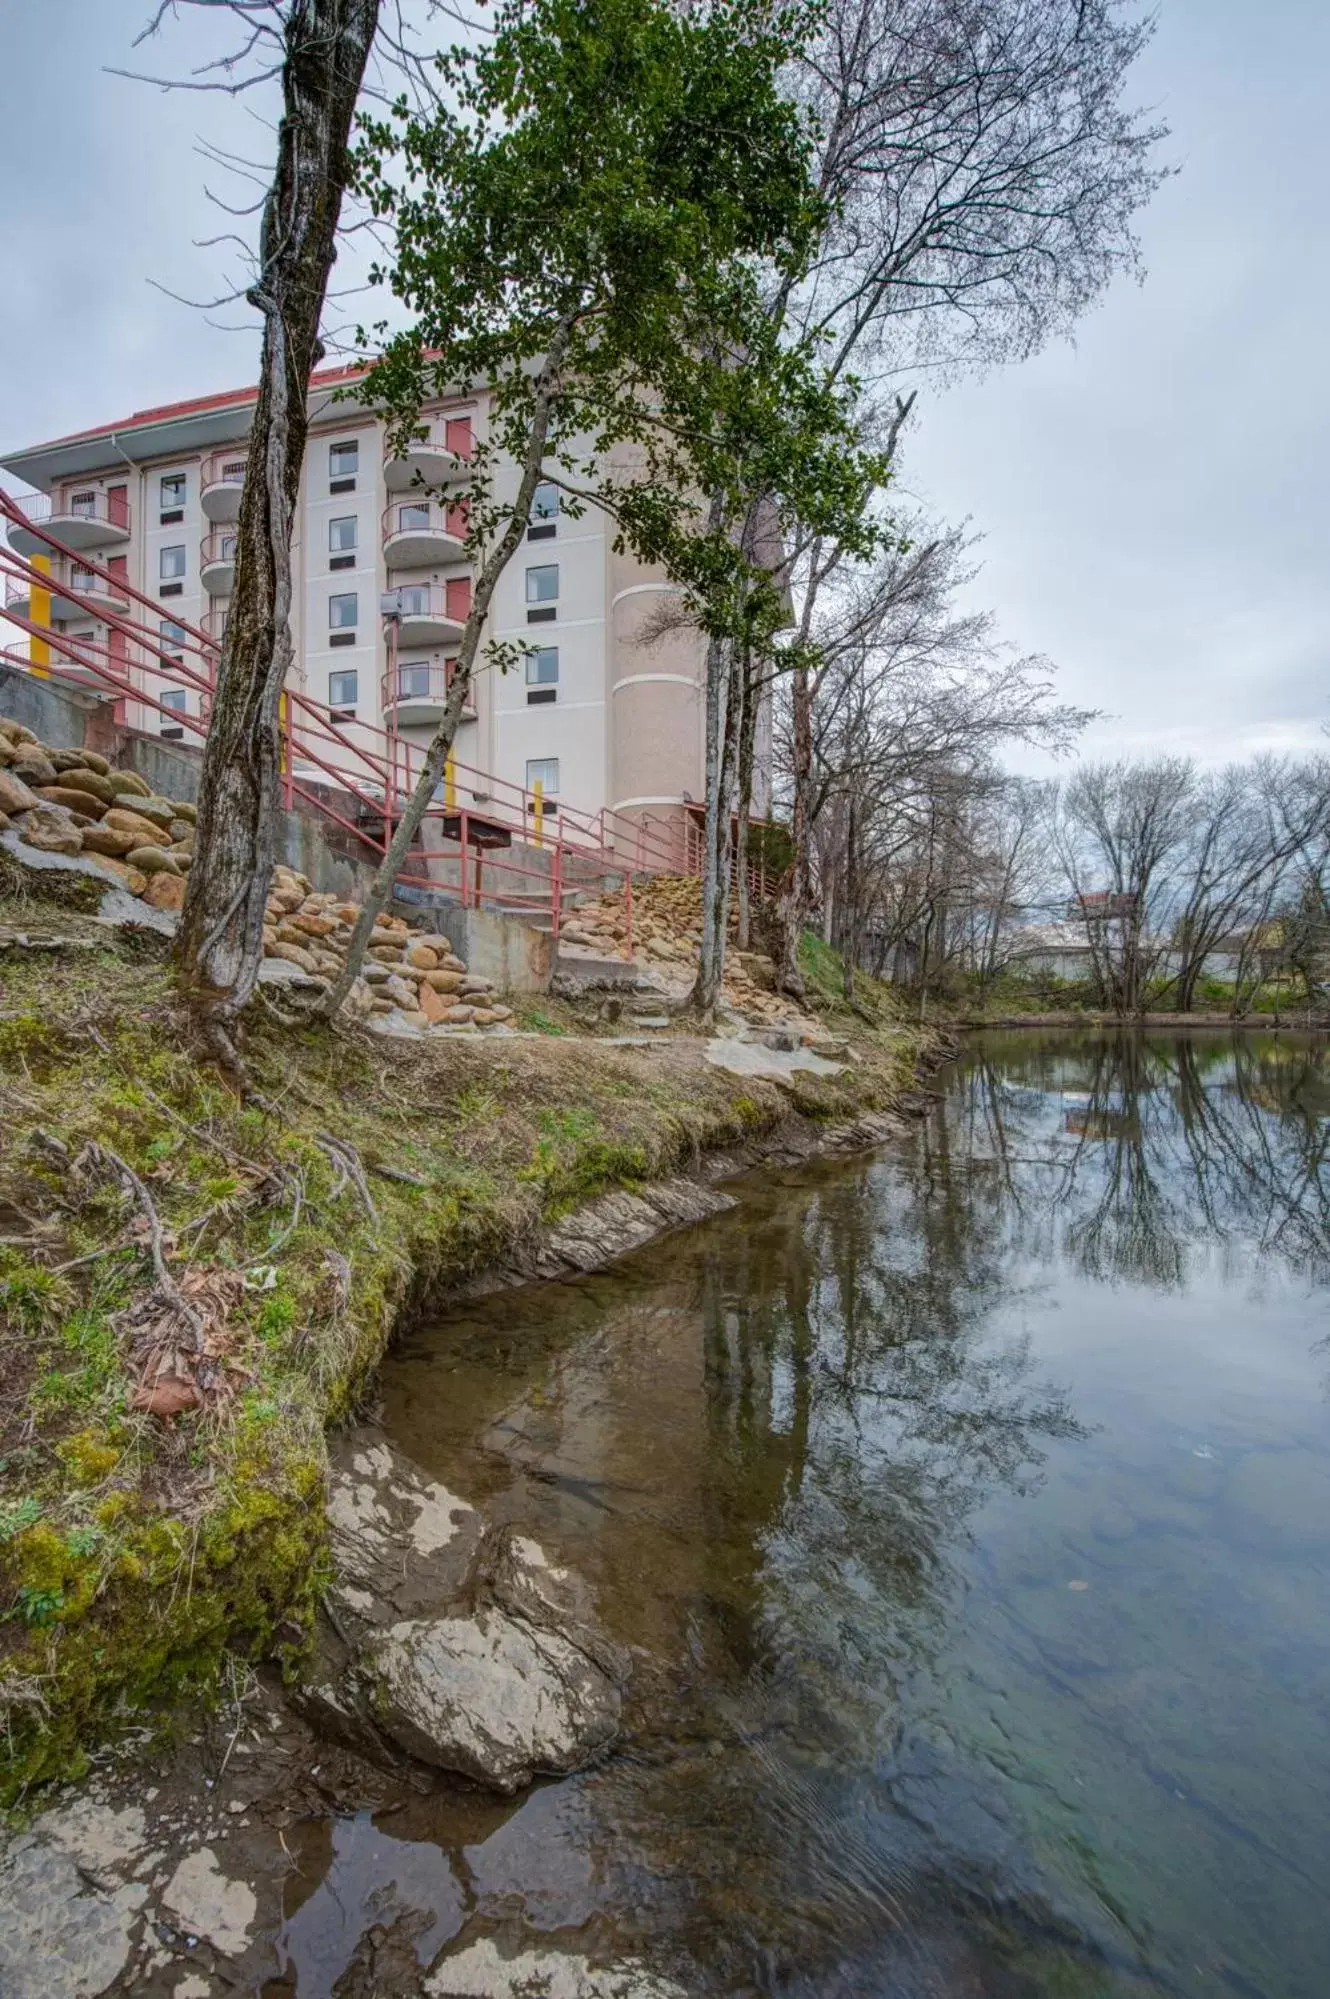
421 680
223 468
39 510
433 517
219 546
357 774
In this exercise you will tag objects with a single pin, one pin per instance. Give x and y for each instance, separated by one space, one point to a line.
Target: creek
966 1509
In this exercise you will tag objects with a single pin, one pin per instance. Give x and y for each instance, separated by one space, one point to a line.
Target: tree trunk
706 993
436 756
747 761
799 898
327 44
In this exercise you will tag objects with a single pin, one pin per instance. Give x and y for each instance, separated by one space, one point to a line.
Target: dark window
544 512
343 464
540 697
343 690
342 542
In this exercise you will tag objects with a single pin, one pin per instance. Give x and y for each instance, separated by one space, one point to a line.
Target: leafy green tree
585 227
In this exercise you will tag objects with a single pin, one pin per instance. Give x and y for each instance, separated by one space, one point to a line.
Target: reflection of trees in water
1180 1145
863 1401
860 1409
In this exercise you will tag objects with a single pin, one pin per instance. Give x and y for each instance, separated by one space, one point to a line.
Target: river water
967 1507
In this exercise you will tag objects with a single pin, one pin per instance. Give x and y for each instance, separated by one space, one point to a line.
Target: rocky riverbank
192 1290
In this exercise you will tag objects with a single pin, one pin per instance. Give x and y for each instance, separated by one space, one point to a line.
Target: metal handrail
441 517
423 680
223 468
213 546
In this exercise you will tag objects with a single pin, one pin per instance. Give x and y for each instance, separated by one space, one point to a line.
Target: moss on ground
136 1552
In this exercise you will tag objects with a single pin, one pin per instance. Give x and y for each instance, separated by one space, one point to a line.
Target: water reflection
970 1510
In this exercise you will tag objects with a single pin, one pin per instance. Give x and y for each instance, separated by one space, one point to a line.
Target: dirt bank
191 1291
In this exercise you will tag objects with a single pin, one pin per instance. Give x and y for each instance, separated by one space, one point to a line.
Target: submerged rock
452 1642
481 1971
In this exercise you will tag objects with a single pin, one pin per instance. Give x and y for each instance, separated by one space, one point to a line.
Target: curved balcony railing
221 477
421 685
217 561
422 531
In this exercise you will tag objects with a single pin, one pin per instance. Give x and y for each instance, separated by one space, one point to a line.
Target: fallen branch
100 1159
347 1163
397 1173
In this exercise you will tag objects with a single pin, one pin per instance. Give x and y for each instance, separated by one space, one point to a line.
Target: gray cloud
1153 500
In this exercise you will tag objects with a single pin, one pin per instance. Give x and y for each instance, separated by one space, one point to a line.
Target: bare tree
981 173
319 50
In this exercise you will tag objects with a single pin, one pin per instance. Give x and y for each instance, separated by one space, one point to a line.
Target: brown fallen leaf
167 1395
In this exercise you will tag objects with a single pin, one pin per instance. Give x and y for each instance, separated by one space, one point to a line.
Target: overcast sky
1154 501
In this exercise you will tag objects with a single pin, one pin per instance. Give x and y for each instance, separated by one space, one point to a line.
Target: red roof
196 405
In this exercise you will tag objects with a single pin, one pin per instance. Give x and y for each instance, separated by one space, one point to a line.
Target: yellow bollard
450 784
538 816
39 612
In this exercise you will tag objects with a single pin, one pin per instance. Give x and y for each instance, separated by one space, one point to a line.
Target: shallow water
968 1507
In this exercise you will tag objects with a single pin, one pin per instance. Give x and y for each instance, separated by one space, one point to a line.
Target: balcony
77 521
442 456
429 614
98 598
217 561
220 480
421 534
415 694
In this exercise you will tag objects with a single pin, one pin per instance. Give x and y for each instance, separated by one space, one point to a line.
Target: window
544 512
171 561
543 771
343 616
81 578
171 497
83 505
343 464
176 701
413 517
343 691
342 538
542 667
413 681
542 590
172 639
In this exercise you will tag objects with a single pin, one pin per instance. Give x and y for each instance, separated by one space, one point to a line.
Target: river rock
16 732
185 809
490 1698
33 765
51 830
442 982
165 892
15 795
80 779
81 803
122 820
93 761
150 860
451 1641
159 811
130 781
481 1970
